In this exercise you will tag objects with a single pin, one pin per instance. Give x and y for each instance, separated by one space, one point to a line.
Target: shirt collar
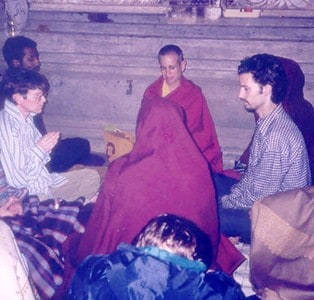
264 123
14 111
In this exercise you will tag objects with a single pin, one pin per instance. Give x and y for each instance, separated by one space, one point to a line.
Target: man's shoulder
284 125
283 132
4 116
10 123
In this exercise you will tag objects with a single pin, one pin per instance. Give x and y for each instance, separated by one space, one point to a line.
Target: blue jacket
139 273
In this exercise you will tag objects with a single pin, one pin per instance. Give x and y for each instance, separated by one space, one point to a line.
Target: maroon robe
164 173
198 119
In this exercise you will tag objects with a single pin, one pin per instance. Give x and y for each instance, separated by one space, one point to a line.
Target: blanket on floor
40 233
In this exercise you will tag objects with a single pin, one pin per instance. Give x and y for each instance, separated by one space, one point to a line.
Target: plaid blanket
40 233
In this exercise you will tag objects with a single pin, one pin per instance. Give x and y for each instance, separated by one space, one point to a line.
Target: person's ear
16 63
18 98
183 65
268 90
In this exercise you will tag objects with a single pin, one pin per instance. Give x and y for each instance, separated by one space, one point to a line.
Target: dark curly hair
266 69
13 48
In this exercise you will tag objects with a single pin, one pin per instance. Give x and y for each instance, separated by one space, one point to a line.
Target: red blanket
199 122
164 173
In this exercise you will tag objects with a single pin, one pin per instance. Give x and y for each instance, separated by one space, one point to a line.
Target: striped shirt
278 161
23 161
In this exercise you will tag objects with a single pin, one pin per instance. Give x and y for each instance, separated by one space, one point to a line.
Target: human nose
241 93
168 71
37 63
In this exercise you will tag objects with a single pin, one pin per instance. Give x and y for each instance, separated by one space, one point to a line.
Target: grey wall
98 71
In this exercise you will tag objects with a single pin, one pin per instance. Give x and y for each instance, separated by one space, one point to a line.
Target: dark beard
251 110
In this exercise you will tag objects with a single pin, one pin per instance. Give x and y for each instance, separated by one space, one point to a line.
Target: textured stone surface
100 64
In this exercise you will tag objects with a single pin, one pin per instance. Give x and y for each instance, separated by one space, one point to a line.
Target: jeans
233 222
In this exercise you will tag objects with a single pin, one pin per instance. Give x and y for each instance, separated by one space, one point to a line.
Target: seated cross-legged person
173 86
278 158
25 152
299 109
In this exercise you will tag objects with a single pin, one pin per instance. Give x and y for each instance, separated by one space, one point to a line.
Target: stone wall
99 65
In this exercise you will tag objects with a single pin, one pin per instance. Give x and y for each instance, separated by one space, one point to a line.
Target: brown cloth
282 248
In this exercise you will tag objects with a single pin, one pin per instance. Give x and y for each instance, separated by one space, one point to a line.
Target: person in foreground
39 229
21 52
173 86
154 178
25 152
170 258
282 248
278 158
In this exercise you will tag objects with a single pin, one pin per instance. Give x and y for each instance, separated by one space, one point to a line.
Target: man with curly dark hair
278 158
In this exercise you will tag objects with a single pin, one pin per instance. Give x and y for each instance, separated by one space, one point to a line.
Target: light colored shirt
23 161
278 161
